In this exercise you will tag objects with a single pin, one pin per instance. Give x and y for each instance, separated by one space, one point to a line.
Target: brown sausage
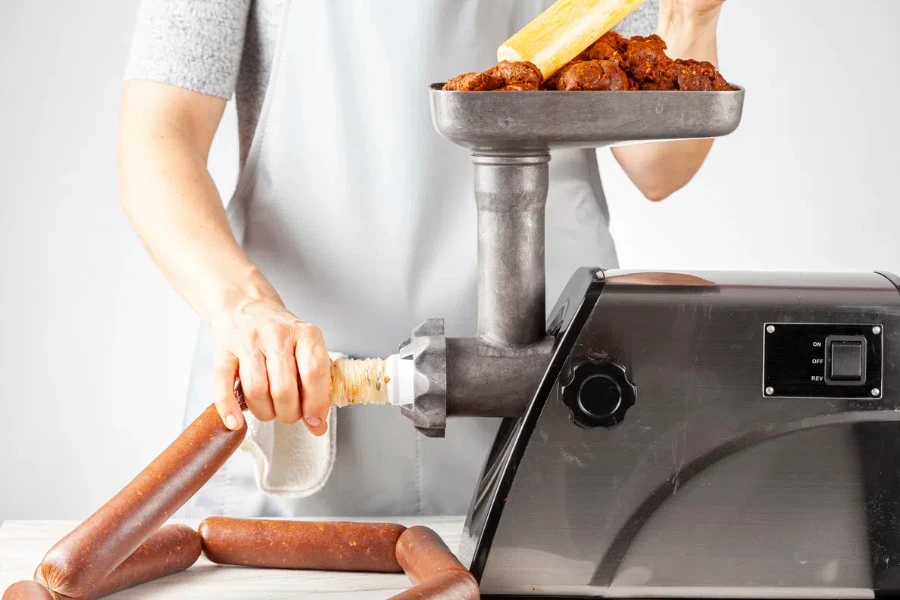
170 550
434 570
80 562
319 546
424 555
447 586
26 590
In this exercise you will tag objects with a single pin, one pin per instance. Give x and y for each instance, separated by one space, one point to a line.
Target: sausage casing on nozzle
319 546
356 381
433 569
79 562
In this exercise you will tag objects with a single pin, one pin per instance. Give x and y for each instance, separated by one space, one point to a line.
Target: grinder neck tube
511 194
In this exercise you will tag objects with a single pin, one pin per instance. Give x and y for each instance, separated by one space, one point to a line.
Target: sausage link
432 568
454 585
424 555
319 546
26 590
80 562
172 549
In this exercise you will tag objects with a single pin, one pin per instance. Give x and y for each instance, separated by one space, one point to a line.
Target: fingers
255 382
282 369
314 366
224 374
282 363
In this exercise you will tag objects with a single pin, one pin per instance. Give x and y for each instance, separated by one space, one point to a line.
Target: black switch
847 361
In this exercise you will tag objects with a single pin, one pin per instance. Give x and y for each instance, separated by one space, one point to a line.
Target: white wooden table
24 543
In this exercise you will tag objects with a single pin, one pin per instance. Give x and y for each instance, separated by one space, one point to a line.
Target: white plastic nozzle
400 387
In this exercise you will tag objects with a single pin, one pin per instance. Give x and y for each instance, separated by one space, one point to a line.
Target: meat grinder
666 434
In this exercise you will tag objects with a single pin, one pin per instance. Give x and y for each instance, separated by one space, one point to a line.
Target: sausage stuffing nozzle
365 381
372 381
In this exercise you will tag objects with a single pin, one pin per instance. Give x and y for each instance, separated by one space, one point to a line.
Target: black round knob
598 393
599 396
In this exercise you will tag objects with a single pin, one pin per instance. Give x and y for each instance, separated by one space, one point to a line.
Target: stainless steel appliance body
689 440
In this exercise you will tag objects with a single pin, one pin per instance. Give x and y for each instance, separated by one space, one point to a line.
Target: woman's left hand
699 7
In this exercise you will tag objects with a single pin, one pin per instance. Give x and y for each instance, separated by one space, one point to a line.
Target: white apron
364 219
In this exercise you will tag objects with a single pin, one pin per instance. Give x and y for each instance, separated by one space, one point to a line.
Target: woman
352 221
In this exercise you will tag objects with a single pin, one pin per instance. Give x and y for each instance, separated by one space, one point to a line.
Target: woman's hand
686 7
689 28
284 368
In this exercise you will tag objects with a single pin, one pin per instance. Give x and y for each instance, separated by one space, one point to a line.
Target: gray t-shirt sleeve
640 22
193 44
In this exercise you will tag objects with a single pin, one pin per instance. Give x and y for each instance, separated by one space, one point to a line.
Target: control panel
816 360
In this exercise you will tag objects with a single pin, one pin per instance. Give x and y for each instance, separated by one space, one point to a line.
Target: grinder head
511 136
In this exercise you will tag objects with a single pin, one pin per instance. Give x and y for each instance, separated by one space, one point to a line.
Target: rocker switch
847 361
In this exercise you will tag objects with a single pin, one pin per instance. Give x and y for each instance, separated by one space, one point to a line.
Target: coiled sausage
433 569
79 562
319 546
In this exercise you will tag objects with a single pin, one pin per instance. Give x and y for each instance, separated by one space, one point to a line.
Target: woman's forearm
661 169
172 201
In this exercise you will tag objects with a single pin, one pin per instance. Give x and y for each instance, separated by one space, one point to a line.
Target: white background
95 348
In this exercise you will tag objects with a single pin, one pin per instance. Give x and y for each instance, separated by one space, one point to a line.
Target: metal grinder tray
540 121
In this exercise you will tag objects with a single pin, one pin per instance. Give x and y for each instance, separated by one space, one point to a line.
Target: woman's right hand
282 362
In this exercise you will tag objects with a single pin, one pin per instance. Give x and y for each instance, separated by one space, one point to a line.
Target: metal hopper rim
521 122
